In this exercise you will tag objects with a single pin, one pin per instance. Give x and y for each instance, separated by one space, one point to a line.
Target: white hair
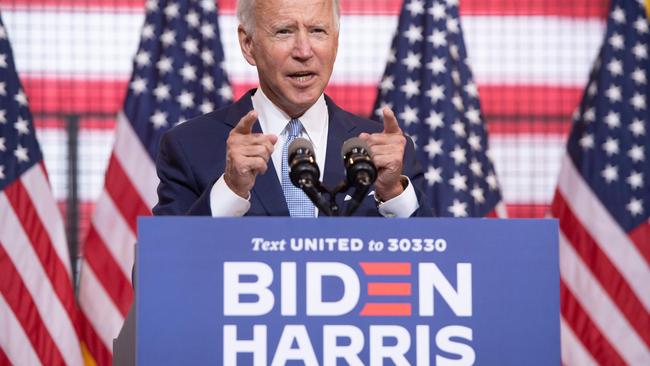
246 14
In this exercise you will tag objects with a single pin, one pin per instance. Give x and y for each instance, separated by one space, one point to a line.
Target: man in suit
230 162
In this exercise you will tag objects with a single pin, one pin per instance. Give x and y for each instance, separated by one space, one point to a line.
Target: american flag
429 86
603 203
177 74
37 305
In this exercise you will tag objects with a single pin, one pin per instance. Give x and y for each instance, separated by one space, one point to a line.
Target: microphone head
299 144
353 143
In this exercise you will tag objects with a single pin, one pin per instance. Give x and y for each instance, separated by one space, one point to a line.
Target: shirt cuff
403 205
226 203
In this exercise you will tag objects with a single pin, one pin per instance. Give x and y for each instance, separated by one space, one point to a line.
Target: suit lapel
267 197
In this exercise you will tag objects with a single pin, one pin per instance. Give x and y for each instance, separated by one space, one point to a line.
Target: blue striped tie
297 201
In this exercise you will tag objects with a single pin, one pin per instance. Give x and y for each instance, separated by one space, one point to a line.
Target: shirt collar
273 120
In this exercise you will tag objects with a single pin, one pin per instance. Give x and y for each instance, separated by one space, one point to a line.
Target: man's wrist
398 190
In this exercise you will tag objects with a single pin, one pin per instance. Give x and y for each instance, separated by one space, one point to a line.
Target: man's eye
283 31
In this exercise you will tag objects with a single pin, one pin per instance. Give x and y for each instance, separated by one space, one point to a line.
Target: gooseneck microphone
304 172
361 171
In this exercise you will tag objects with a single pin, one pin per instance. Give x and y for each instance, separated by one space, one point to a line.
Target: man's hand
247 155
387 152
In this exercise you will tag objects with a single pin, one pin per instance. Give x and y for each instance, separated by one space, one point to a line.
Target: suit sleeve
178 191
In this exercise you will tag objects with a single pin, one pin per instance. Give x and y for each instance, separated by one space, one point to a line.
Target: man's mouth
302 76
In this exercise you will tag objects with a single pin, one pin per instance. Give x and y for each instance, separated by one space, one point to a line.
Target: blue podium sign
347 291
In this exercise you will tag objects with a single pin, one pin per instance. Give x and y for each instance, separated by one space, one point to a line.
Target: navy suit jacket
192 157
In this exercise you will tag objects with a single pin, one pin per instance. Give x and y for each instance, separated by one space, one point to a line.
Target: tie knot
294 127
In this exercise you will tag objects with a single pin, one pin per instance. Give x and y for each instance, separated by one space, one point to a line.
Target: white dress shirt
315 121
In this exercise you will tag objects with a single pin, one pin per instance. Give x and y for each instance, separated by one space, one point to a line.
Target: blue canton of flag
429 85
609 142
178 71
19 149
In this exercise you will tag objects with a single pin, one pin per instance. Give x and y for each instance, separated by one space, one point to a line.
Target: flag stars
2 172
638 101
208 5
615 67
433 148
614 94
409 115
610 173
3 33
191 46
387 84
635 180
192 18
415 7
436 93
637 127
611 146
188 72
459 155
636 153
435 120
412 61
471 89
3 88
186 99
640 51
590 115
3 60
207 82
152 5
476 168
21 154
457 101
147 31
474 141
3 116
171 11
225 92
164 65
207 57
641 25
159 119
617 41
613 120
639 76
413 34
452 25
21 98
458 182
618 15
143 59
473 115
459 128
586 141
3 141
206 106
437 65
458 209
635 206
438 11
411 88
477 194
22 126
433 175
161 92
138 85
438 38
168 38
491 180
207 31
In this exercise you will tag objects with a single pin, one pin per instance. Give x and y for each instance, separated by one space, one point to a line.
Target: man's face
293 45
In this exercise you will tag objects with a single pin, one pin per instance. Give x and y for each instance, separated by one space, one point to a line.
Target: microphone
361 171
304 172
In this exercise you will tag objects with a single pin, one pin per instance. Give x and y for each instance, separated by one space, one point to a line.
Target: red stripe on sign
108 271
386 309
20 301
386 268
123 193
98 350
585 330
602 268
640 236
389 289
573 8
41 242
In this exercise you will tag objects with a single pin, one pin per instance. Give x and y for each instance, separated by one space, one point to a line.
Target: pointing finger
245 124
390 122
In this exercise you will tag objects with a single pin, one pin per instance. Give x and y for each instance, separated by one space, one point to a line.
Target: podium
338 291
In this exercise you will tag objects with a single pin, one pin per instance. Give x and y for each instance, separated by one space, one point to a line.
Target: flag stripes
12 336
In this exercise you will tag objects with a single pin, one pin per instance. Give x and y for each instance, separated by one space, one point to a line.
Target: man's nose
302 49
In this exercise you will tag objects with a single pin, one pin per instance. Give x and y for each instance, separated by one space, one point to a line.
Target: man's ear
246 45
